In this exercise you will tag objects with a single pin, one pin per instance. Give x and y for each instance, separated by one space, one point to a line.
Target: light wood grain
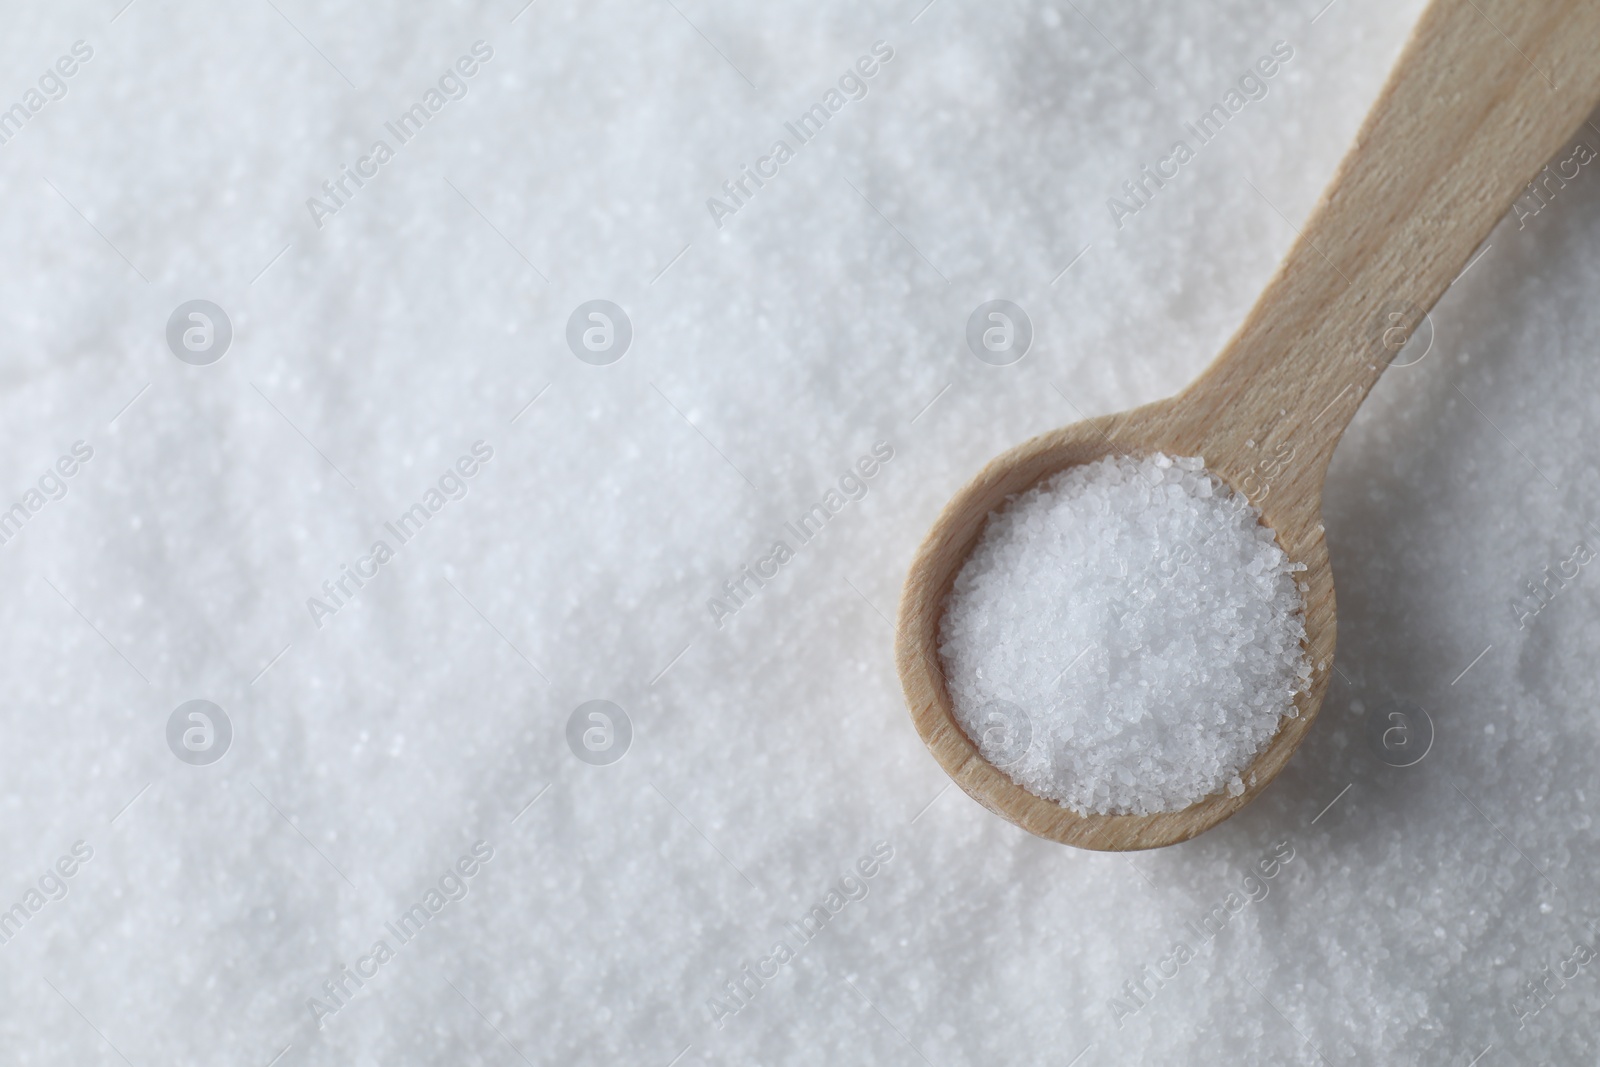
1484 93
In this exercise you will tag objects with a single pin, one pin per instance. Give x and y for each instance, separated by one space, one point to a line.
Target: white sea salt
780 744
1125 637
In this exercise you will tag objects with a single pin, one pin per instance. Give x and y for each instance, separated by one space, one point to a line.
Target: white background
769 754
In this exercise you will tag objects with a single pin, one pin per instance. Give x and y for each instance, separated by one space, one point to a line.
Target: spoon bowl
1465 119
1157 427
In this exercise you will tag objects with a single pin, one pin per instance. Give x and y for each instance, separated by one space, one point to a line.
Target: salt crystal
1121 651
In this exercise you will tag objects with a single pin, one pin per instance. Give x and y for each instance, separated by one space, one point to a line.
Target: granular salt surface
1125 637
1428 910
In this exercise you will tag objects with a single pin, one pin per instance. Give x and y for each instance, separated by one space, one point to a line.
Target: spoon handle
1484 93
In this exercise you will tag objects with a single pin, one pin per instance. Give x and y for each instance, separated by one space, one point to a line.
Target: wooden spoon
1483 94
